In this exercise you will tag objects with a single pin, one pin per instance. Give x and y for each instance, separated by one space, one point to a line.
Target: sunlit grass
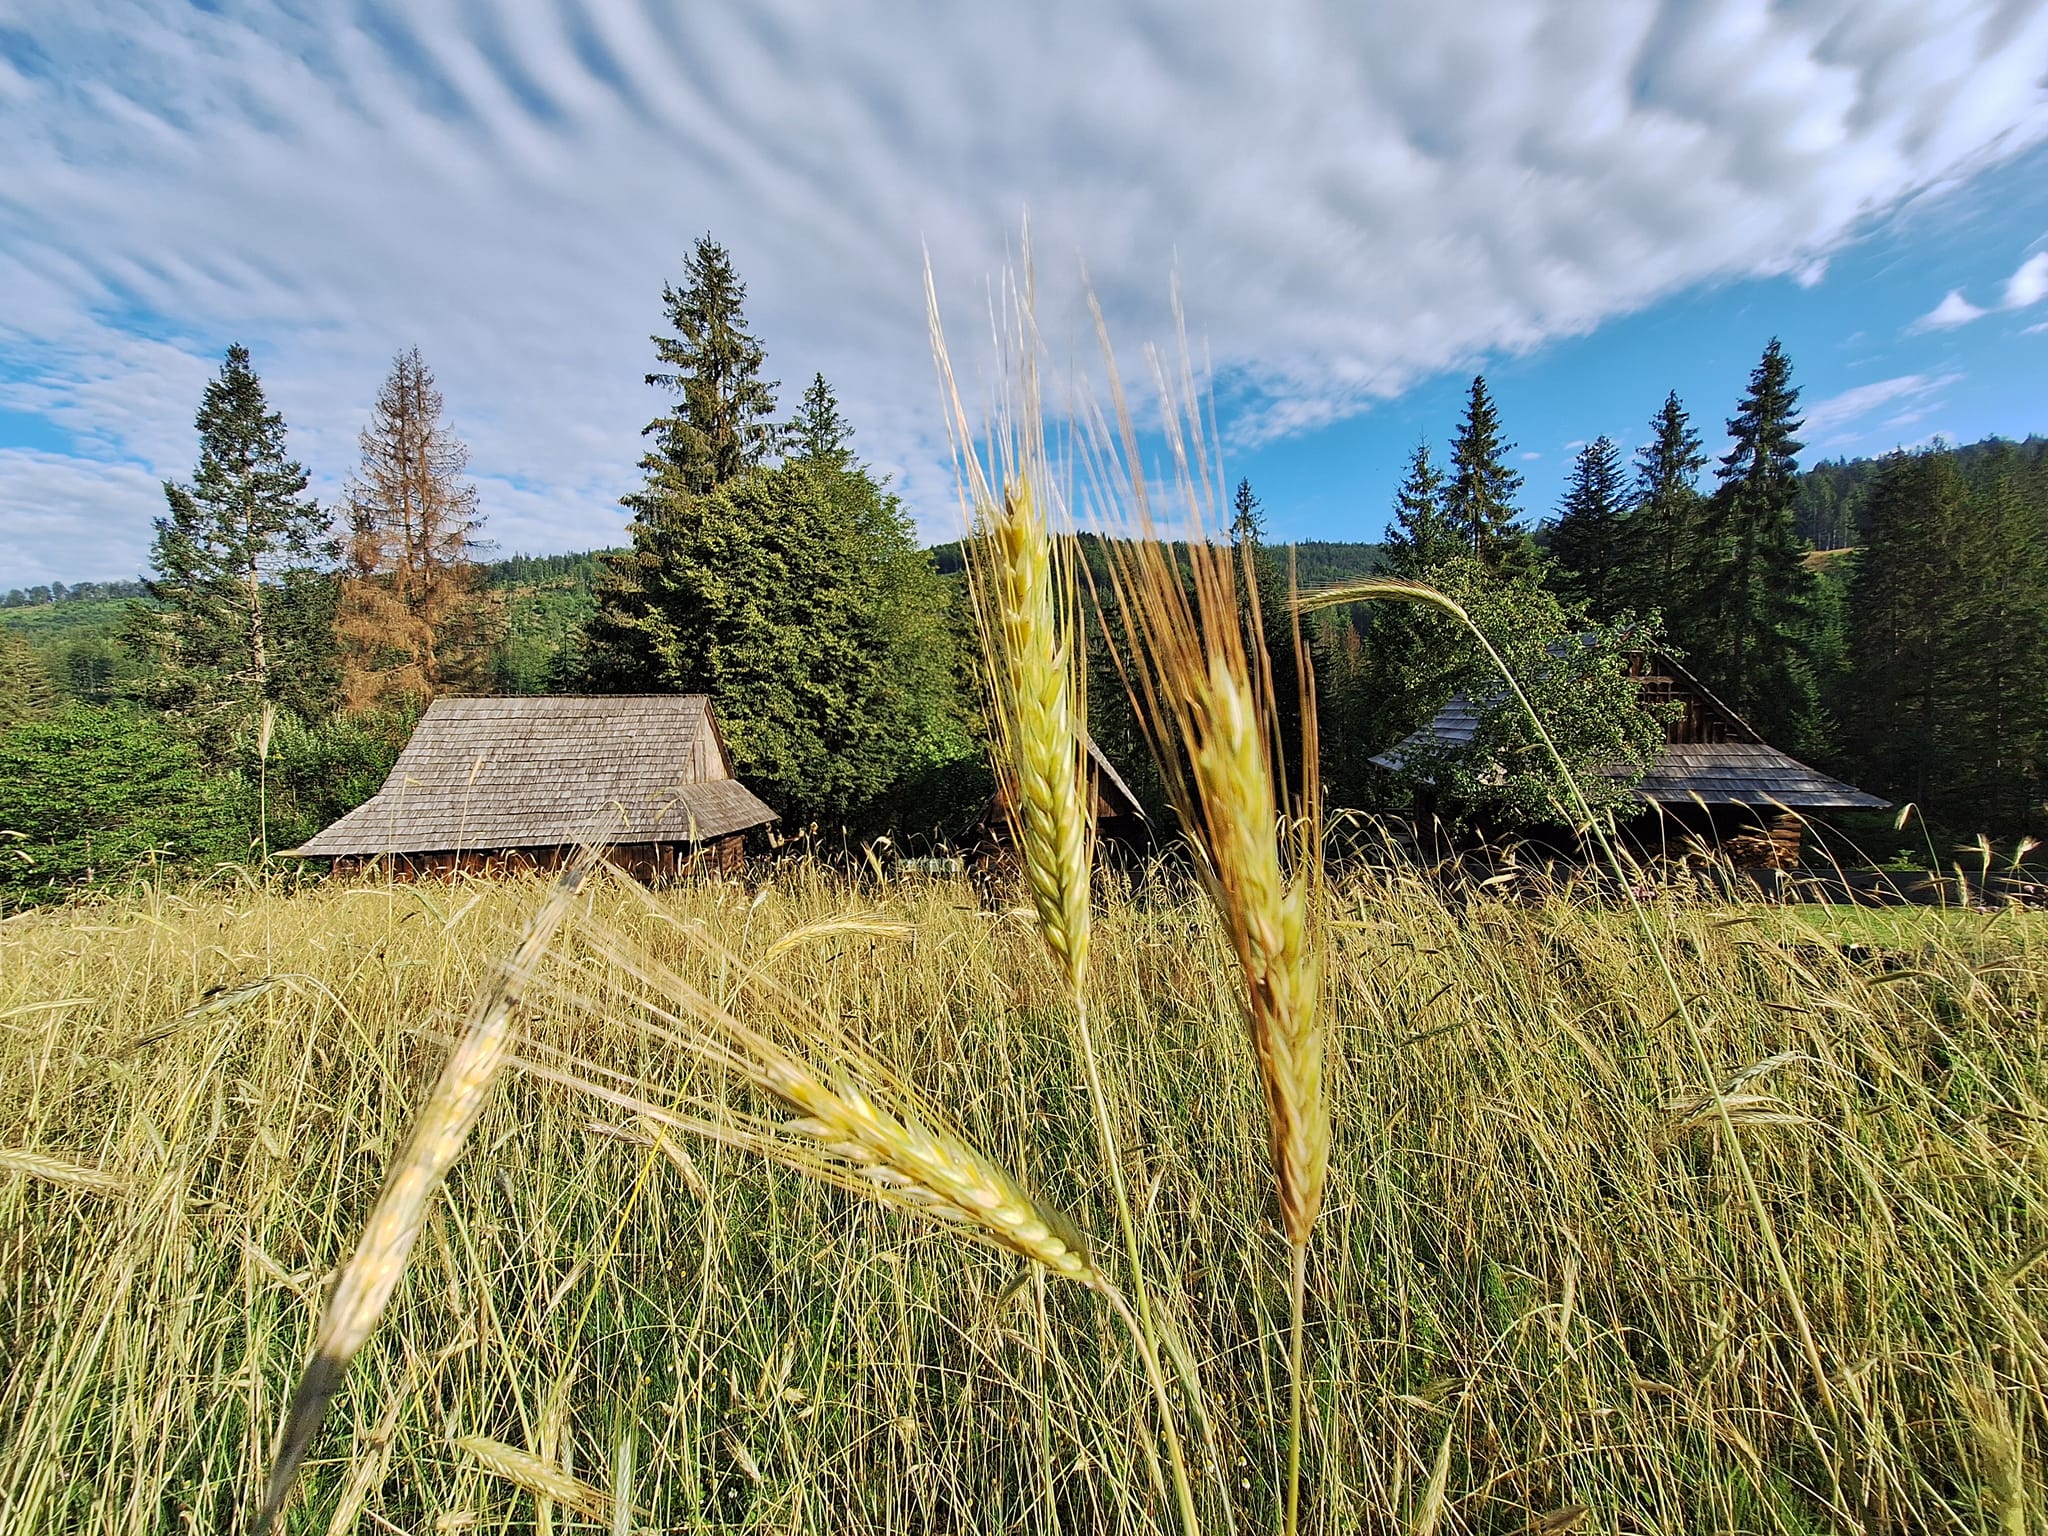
1534 1275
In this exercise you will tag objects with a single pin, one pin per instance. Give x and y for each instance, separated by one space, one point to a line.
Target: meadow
1776 1261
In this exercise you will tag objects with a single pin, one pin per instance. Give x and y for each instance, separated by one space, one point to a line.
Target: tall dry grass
1542 1300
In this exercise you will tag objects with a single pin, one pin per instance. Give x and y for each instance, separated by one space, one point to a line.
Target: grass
1539 1297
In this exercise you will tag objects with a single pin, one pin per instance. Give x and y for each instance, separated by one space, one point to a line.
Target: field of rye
1580 1267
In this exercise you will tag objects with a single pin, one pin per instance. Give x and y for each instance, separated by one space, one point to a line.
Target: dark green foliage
1658 551
91 794
1386 673
78 592
315 774
796 599
820 435
795 596
1479 499
723 422
240 612
1745 632
1948 639
1422 535
1575 674
1586 541
26 692
720 428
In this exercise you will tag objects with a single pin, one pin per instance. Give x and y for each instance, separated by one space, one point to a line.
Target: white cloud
1826 419
60 512
1354 197
2028 285
2035 330
1951 312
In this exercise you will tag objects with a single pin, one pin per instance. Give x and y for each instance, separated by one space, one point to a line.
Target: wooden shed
1716 783
1121 824
489 784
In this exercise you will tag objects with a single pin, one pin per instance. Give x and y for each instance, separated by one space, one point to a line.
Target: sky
1591 201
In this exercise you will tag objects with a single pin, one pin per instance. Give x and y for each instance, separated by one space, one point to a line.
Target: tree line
279 650
1911 662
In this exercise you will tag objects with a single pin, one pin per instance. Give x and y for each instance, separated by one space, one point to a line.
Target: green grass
1537 1271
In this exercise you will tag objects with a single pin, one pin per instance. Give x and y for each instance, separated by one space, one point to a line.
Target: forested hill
1832 492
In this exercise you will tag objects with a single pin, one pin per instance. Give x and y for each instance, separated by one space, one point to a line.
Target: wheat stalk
860 1126
1203 684
437 1138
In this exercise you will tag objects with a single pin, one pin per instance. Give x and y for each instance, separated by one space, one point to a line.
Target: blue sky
1594 201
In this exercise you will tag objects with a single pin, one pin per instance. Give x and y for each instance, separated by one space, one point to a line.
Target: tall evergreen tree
819 435
723 421
1587 540
243 603
1997 610
1480 498
1422 536
1900 707
1746 627
1384 680
720 427
1661 555
413 619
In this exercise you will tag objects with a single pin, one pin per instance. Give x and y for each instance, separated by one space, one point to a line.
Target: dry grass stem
438 1136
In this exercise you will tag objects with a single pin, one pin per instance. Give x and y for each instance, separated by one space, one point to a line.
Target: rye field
1775 1260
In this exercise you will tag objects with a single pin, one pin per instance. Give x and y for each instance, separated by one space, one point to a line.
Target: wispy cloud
2029 285
1826 419
1951 312
1353 197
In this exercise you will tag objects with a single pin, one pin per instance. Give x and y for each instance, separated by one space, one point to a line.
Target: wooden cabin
522 783
1716 785
1121 824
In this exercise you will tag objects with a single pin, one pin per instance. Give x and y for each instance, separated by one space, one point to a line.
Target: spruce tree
1661 535
723 421
413 618
1746 627
1421 536
243 602
720 427
1899 710
1480 499
1587 539
819 434
1393 684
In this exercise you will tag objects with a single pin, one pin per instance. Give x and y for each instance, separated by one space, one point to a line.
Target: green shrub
91 795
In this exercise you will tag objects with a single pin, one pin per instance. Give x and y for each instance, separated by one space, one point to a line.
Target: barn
1715 784
512 783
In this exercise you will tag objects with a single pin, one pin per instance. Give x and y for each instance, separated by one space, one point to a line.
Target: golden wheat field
1775 1262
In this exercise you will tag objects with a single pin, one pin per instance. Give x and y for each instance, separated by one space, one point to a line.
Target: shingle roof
1743 771
490 774
1747 773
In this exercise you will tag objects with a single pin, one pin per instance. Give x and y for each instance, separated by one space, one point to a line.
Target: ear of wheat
1025 605
1203 683
857 1124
